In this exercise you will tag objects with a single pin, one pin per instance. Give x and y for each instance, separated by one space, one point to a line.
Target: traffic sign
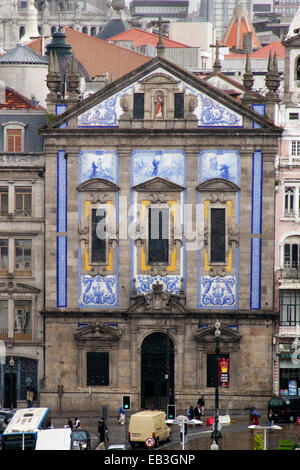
149 442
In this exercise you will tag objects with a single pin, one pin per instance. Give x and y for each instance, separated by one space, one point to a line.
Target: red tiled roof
262 53
143 38
14 100
99 56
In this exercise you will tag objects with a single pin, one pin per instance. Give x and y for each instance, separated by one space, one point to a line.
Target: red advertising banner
223 368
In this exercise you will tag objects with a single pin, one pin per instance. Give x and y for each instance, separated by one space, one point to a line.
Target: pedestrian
190 412
5 423
121 415
202 404
77 423
103 431
30 397
197 412
70 423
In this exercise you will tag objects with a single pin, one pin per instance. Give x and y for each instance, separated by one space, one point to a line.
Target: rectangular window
296 148
22 318
23 202
98 254
293 116
291 255
158 226
3 257
217 236
3 319
289 307
3 202
179 105
138 105
23 257
97 368
14 140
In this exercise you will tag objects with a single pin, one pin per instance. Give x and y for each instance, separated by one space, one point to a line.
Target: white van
147 424
54 439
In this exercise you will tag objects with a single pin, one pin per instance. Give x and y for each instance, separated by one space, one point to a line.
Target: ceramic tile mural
210 113
171 283
218 291
98 164
148 164
169 165
97 291
61 267
104 114
219 164
256 228
255 281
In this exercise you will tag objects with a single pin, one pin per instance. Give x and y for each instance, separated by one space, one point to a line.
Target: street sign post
149 442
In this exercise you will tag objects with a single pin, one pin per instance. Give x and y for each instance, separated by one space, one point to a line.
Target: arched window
53 29
93 31
85 30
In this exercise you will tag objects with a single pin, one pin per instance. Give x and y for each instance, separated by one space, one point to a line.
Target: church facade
159 221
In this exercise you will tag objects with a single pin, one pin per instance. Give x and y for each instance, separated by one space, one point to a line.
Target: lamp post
216 433
11 363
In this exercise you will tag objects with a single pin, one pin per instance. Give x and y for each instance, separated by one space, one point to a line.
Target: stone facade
123 316
22 248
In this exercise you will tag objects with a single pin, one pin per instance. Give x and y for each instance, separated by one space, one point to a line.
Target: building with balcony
21 247
287 234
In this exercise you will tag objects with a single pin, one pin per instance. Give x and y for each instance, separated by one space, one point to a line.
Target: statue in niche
159 106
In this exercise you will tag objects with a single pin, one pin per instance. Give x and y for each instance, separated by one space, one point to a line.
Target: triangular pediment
158 78
158 184
98 184
214 108
18 288
207 335
217 185
98 331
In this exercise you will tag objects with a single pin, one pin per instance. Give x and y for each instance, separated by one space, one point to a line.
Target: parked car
5 414
284 409
80 439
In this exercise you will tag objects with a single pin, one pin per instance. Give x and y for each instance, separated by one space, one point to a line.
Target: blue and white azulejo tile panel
210 113
170 283
218 292
61 271
98 164
98 291
106 113
167 164
219 164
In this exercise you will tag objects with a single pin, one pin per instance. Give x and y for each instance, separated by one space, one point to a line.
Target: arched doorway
157 370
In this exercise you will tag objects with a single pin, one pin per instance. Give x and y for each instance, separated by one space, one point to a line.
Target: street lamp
11 363
216 433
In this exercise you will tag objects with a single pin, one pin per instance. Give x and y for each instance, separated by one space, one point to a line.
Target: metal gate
157 370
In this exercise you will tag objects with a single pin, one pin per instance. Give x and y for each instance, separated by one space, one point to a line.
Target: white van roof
26 420
54 439
148 413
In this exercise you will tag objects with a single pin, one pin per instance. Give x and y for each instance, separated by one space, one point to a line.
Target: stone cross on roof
217 63
160 45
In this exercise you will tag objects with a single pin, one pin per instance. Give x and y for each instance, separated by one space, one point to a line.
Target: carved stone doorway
157 372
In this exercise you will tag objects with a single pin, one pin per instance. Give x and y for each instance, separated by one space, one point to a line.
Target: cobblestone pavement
235 436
